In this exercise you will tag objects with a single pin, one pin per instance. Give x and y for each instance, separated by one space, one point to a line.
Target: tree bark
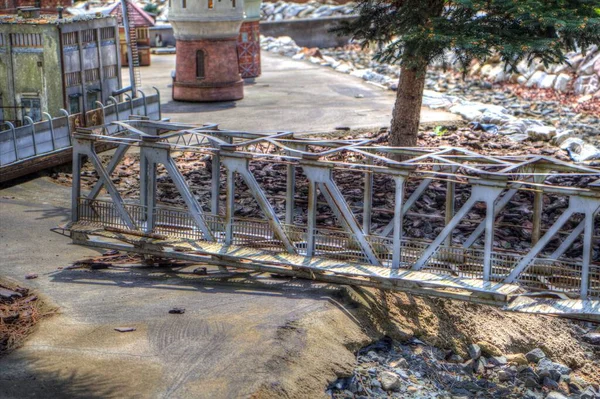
407 111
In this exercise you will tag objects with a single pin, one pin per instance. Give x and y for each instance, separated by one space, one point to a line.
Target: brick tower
249 40
206 33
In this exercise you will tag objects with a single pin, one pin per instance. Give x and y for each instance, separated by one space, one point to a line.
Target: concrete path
222 347
290 95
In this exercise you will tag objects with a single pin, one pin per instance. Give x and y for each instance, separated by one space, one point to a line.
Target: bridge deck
319 268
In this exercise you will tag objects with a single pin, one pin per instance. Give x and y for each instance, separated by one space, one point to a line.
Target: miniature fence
54 133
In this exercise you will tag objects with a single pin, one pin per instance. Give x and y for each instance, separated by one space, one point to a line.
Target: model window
92 97
74 107
32 107
1 111
210 4
200 64
233 3
183 3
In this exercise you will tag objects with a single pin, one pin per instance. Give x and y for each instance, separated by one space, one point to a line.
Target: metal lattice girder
447 173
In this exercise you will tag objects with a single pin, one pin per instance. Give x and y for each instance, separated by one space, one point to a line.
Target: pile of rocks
313 9
581 73
417 370
473 99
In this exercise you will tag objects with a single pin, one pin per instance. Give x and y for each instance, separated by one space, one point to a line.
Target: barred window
88 36
200 73
109 71
69 38
72 79
141 33
91 74
26 39
107 33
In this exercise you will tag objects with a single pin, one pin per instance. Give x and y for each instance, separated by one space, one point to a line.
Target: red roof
138 16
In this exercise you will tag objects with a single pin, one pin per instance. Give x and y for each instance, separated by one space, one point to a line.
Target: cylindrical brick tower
248 45
206 33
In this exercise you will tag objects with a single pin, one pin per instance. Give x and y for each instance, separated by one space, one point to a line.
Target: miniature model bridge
517 231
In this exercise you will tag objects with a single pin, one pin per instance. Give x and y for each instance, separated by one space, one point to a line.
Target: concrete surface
289 96
220 348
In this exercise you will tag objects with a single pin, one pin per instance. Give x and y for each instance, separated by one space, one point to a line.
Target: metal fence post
159 109
28 119
144 100
66 114
14 134
47 115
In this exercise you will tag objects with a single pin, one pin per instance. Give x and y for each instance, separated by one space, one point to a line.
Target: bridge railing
530 220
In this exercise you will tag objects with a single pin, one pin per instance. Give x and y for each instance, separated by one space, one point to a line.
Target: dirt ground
320 346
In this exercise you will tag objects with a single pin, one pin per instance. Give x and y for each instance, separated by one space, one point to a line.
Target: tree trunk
407 111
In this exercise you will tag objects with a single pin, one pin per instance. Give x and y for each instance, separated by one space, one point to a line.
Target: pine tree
418 32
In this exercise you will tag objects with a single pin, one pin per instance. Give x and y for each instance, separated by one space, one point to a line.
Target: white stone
521 80
344 68
547 82
360 73
587 68
579 150
298 57
562 82
536 79
468 112
541 132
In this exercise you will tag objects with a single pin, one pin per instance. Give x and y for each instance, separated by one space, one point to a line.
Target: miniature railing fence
467 199
35 139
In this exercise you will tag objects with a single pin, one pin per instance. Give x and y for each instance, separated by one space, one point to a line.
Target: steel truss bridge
556 270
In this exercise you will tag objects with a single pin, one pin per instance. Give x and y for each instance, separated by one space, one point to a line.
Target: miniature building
48 63
11 6
248 45
206 32
139 22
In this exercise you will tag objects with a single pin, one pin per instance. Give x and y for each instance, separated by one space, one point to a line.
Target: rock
562 136
479 365
555 370
580 151
390 381
587 68
556 395
536 79
517 358
541 132
547 82
529 394
402 363
589 393
505 375
468 112
498 360
31 276
531 382
521 80
474 351
535 355
592 338
550 383
562 82
455 358
489 349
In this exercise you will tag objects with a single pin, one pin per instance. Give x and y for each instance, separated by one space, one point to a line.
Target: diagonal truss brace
322 176
482 191
86 147
154 154
577 204
241 165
